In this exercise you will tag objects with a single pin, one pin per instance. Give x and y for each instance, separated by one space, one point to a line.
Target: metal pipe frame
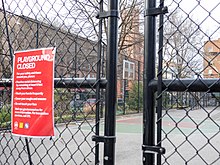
98 92
159 85
188 85
149 74
111 88
67 83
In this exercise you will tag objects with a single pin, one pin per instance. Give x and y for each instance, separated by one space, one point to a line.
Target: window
213 53
210 49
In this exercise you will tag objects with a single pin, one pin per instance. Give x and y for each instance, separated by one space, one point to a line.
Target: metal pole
75 75
98 77
102 73
124 94
138 86
7 32
111 90
37 35
159 87
75 59
149 74
28 151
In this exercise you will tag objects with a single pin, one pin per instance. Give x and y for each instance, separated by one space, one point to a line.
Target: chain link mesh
190 118
71 27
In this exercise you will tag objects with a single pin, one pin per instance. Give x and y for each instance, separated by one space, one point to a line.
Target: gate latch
104 139
156 11
153 149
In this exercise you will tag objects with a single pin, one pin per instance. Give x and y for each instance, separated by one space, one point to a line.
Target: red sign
32 94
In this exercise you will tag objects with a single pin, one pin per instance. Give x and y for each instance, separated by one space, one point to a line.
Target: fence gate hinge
106 14
104 139
153 149
156 11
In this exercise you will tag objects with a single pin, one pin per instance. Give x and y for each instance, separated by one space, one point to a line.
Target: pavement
129 140
189 137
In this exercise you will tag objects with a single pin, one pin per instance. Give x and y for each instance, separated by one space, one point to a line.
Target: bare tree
183 43
83 14
81 18
129 27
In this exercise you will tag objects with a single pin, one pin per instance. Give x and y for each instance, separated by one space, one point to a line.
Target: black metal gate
85 75
181 123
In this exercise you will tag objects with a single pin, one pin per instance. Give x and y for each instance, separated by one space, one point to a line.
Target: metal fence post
124 96
98 77
138 86
37 35
149 74
110 106
160 79
7 32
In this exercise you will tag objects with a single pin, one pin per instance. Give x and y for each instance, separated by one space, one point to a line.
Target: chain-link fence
76 30
184 75
187 85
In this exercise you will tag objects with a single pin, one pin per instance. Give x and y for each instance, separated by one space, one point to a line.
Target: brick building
211 62
131 53
76 56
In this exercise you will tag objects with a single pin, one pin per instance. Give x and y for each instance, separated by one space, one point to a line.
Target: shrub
5 114
132 100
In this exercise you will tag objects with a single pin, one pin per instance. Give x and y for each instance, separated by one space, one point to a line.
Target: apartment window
210 49
214 53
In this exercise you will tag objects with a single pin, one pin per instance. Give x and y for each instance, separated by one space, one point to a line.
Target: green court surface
125 124
174 123
129 125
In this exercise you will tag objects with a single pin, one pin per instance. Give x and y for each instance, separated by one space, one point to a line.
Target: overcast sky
206 13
